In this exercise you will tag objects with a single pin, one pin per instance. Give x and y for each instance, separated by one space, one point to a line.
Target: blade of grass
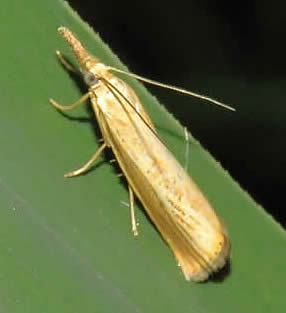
66 245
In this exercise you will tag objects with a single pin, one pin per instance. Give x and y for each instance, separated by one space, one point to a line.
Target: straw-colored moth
177 207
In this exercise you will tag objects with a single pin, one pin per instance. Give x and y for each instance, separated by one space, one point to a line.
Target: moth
173 201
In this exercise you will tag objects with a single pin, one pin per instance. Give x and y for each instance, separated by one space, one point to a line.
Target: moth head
92 74
90 78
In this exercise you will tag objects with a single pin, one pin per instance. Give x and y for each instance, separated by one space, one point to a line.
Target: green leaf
66 245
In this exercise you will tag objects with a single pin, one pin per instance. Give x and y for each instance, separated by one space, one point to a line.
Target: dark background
233 51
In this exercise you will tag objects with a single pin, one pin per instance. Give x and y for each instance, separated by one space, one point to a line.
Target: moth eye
90 79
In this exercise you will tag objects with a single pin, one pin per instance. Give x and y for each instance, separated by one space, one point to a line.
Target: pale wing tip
198 277
217 264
